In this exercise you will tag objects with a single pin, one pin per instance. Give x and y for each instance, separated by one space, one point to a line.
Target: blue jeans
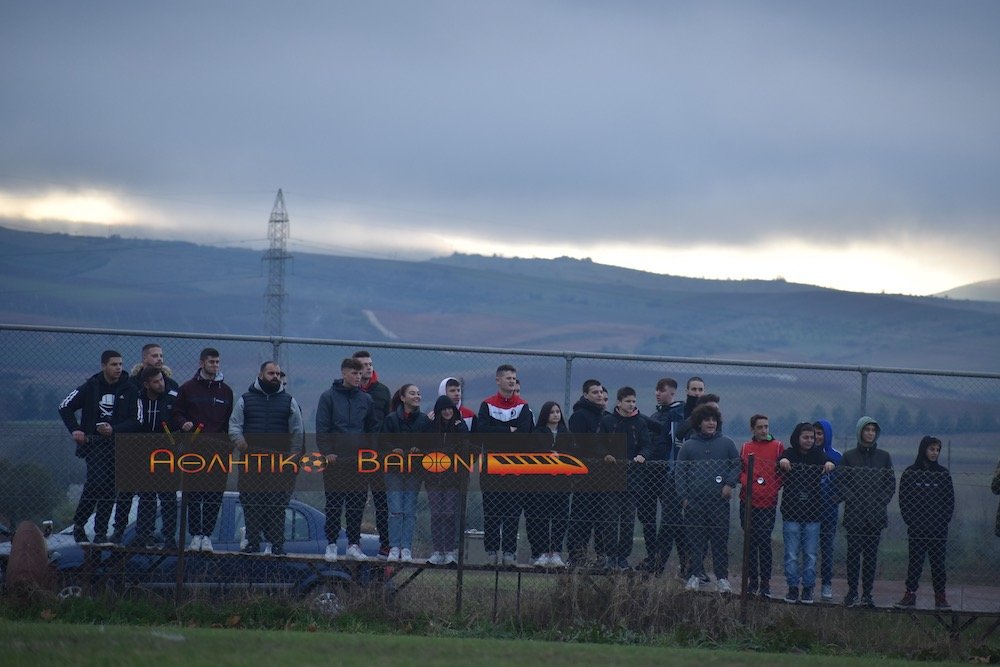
800 539
401 494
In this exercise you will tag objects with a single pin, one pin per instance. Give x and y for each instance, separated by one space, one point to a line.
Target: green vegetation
57 643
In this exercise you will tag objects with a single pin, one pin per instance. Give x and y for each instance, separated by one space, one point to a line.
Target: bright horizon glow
90 206
891 265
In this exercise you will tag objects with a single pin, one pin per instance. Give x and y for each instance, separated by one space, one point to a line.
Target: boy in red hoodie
766 484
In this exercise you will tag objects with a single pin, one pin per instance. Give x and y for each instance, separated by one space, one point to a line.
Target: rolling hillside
561 304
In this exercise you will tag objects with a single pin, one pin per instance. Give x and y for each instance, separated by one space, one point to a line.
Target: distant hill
560 304
986 290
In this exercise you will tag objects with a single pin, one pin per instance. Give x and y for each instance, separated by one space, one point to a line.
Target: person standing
831 507
155 405
108 404
503 413
668 415
927 504
802 468
708 469
444 489
266 421
381 399
621 509
766 484
586 506
546 512
152 357
206 401
866 482
400 435
343 416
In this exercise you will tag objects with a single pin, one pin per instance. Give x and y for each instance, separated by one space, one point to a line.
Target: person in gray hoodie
866 482
708 469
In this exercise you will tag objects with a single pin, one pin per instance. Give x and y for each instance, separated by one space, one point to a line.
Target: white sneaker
509 558
195 543
206 543
722 585
693 583
405 555
267 549
555 560
331 553
354 552
437 558
393 555
541 561
451 558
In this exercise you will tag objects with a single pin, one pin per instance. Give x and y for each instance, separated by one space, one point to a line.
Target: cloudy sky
852 144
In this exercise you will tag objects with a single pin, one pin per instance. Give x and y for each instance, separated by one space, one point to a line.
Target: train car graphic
535 463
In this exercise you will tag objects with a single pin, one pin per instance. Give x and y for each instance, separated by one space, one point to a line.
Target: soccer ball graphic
312 462
436 462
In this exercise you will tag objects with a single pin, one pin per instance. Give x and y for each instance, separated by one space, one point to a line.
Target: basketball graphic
436 462
312 462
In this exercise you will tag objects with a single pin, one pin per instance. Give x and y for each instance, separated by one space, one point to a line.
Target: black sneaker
80 535
278 550
117 537
102 541
250 548
851 599
908 602
867 601
807 595
792 596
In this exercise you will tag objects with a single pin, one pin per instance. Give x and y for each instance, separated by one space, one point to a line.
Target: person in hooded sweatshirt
205 402
444 488
802 468
831 507
927 504
866 481
266 420
452 388
708 469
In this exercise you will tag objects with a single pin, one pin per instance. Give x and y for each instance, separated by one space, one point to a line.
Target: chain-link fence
854 526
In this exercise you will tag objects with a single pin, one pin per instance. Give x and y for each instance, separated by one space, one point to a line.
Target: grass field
63 644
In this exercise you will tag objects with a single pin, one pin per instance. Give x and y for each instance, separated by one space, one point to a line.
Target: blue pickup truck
302 574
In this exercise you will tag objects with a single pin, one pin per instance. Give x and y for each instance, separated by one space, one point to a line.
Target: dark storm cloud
751 120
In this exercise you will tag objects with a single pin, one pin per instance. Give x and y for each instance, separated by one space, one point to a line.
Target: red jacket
767 482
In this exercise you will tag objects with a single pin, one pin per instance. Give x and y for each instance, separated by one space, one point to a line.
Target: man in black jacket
866 482
108 404
156 402
587 505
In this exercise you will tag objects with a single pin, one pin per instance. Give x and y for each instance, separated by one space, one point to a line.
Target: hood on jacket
922 460
137 369
584 404
827 435
864 421
443 403
443 391
256 387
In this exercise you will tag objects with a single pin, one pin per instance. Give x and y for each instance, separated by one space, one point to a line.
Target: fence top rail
568 355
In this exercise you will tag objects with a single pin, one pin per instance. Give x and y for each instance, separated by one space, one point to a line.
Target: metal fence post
567 406
864 391
747 527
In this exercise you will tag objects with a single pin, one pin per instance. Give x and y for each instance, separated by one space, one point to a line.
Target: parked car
225 569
